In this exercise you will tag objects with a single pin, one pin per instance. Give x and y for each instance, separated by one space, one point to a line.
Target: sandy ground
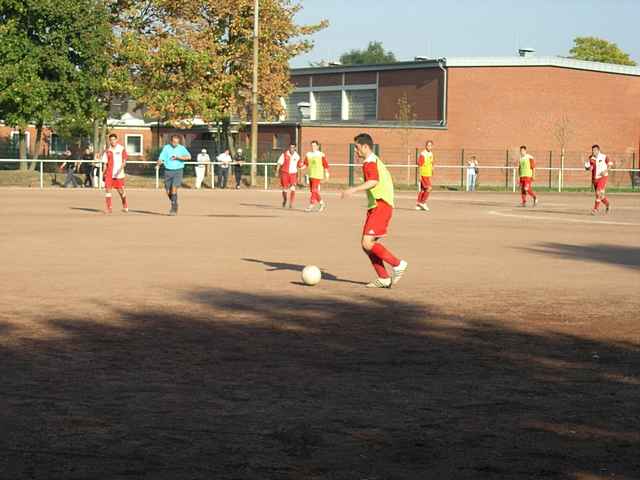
145 346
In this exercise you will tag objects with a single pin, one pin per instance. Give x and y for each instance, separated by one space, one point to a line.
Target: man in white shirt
288 173
203 160
472 172
224 160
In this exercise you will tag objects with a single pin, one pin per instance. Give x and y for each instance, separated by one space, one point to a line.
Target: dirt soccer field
146 346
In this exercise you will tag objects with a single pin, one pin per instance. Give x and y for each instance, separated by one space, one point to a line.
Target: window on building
328 106
15 138
57 144
293 112
280 141
362 104
134 144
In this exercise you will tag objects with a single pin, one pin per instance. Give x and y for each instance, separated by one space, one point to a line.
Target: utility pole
254 96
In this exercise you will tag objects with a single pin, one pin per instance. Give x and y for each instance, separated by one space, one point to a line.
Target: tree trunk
22 149
39 135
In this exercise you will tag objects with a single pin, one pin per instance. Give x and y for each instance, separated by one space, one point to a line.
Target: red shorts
288 180
525 183
378 219
425 183
600 183
114 182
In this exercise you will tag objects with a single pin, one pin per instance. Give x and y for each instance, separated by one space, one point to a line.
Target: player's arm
609 162
363 187
588 165
303 164
325 164
185 157
62 166
162 157
532 162
280 162
421 160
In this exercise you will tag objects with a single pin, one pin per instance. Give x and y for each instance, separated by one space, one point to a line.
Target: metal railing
265 170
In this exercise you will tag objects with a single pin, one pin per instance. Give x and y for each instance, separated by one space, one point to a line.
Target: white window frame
126 144
51 150
17 135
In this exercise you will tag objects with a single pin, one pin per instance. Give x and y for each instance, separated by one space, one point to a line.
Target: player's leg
292 193
531 193
284 184
523 192
108 198
123 199
383 279
603 194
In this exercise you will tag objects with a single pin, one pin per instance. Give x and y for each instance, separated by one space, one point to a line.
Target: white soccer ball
311 275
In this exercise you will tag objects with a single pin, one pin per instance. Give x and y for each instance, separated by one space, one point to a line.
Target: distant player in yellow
425 165
527 172
316 162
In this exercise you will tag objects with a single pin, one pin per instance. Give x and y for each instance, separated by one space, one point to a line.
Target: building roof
535 61
469 62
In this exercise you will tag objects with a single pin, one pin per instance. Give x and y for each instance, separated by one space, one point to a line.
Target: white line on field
563 219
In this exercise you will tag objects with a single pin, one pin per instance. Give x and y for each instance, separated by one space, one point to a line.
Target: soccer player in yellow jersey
527 173
425 165
316 162
379 187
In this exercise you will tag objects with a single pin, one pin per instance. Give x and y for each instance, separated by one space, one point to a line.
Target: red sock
292 196
385 255
605 200
125 203
425 196
420 195
378 266
109 201
523 196
531 193
597 205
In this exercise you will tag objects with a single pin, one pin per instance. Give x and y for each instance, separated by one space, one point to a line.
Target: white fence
263 170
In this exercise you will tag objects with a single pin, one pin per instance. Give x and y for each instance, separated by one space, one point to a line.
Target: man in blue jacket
173 156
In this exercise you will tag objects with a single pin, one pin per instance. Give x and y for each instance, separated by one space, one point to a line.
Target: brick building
482 106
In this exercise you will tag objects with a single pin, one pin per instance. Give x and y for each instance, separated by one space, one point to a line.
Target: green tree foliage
599 50
194 59
374 54
52 61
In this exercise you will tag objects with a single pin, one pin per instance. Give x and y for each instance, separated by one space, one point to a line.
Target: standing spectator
69 167
472 172
87 167
201 169
173 156
223 170
238 162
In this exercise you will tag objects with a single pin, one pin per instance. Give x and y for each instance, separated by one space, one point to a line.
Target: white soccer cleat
380 283
309 208
321 207
418 207
425 207
398 272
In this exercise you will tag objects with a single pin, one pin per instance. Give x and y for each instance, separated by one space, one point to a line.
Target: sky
467 28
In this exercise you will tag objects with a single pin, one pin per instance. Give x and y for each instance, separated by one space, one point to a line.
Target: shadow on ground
277 266
613 254
237 385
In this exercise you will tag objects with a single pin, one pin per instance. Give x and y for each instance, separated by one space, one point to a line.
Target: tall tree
194 59
372 55
599 50
52 63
